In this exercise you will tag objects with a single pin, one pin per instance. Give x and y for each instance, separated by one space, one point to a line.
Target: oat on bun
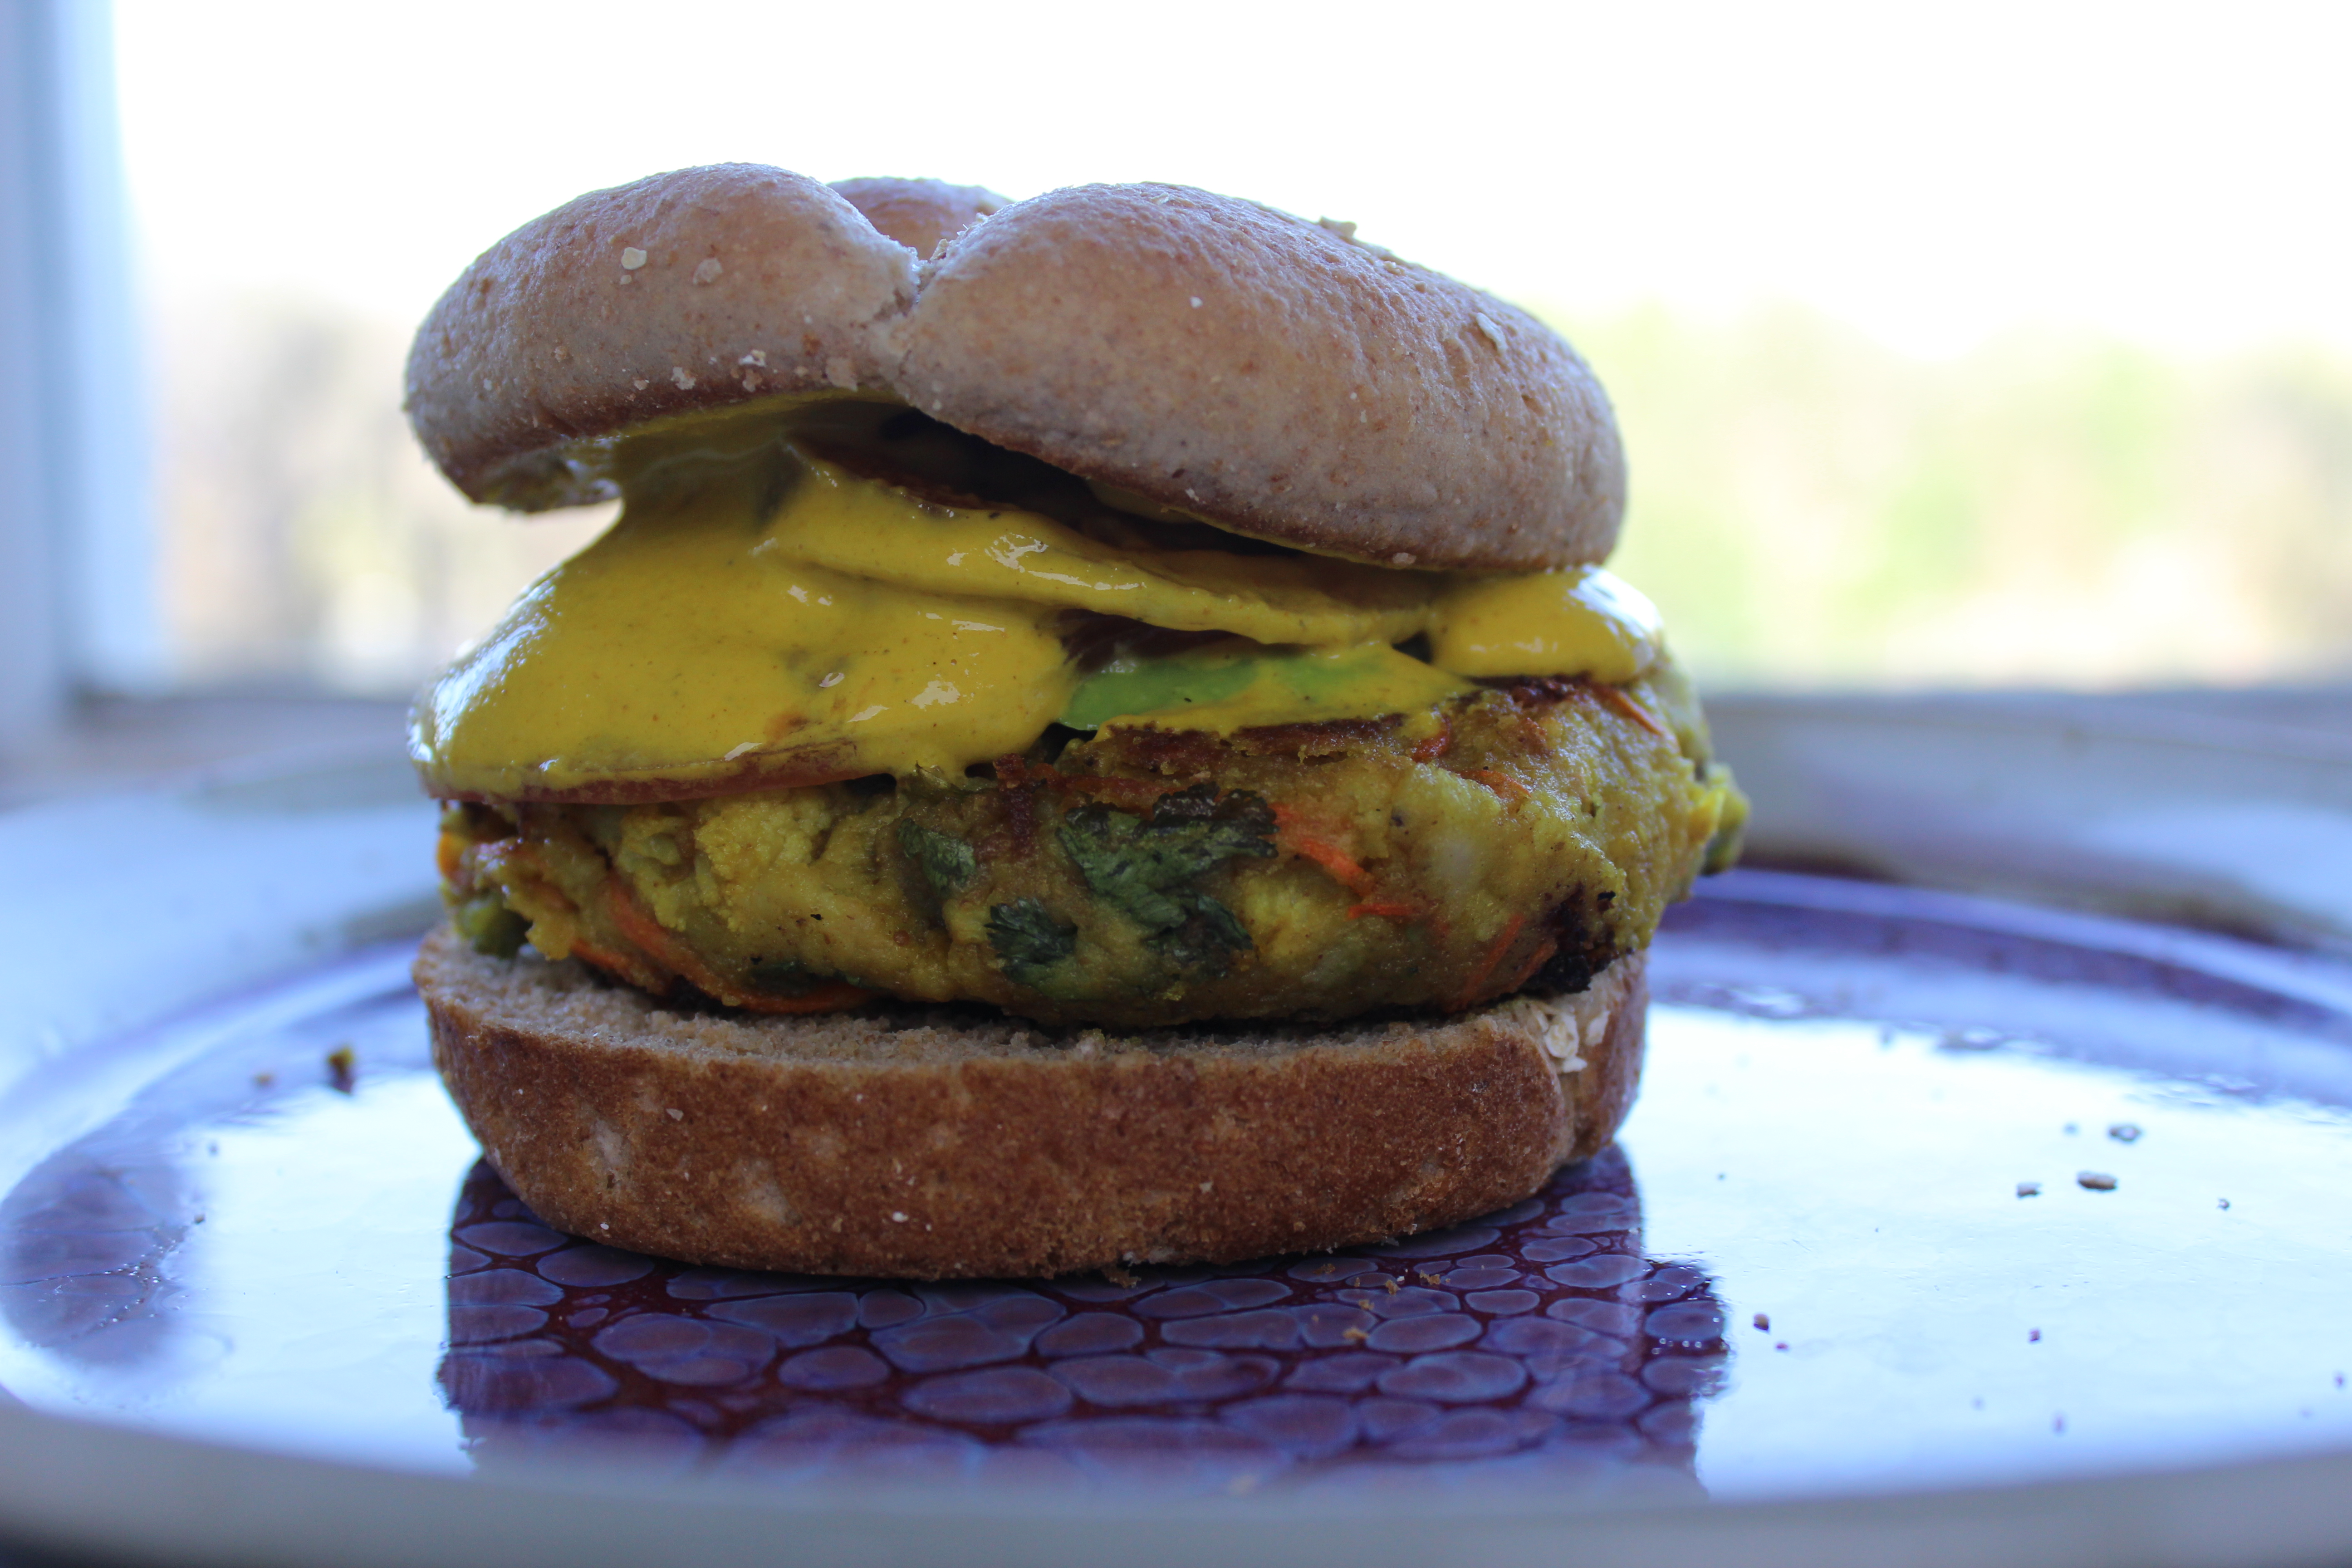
1099 734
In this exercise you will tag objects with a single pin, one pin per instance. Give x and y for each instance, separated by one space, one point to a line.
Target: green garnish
1144 867
1029 940
1254 683
947 863
1154 685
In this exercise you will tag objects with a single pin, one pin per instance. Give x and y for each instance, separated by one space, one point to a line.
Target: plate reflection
1540 1332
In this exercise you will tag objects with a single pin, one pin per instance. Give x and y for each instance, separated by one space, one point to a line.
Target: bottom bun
937 1142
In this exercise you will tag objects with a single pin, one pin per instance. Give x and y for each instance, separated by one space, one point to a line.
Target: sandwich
1099 734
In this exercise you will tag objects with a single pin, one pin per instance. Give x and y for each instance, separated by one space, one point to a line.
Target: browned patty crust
1144 877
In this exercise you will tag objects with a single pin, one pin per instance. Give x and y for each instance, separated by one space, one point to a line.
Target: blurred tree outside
306 541
1809 507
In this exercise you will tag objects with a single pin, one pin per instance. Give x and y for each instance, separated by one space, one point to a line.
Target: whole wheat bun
1267 374
930 1144
922 214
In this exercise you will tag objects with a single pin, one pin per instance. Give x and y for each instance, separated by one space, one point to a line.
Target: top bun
922 214
1270 375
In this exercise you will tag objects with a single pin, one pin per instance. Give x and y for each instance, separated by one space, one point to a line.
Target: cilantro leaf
1029 940
947 863
1144 867
1208 938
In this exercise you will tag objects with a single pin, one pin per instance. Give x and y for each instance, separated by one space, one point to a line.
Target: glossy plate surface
1921 1190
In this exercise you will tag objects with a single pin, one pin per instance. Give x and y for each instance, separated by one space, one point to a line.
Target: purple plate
1922 1191
1542 1332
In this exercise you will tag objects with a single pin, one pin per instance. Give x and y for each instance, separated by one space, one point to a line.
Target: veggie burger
1098 735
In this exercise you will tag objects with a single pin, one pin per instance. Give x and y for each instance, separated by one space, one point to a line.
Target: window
1941 361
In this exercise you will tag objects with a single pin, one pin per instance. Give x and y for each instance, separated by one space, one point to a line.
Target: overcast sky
1933 174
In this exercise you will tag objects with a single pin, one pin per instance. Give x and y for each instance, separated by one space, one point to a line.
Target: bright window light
1995 344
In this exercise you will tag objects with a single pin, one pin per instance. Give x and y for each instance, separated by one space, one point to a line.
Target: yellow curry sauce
767 613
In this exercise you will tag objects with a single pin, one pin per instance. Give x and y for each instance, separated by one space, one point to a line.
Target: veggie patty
1147 877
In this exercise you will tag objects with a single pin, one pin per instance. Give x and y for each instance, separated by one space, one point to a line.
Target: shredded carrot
1385 911
598 956
621 969
1502 944
1537 960
1337 861
1617 698
665 953
1437 745
1289 819
637 922
1501 783
644 933
658 944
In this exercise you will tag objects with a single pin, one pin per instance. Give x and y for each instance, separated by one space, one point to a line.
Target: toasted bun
1251 368
933 1144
